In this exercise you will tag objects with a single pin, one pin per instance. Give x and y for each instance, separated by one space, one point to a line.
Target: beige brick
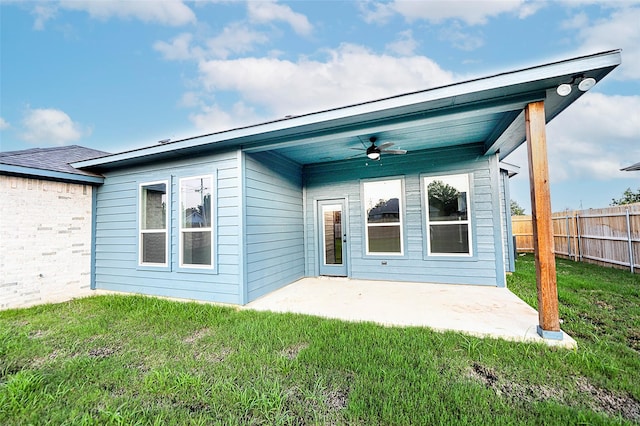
41 236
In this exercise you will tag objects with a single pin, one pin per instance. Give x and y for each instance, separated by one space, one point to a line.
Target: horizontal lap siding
116 252
338 180
274 223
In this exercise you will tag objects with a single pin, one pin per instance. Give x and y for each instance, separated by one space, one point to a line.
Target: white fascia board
511 169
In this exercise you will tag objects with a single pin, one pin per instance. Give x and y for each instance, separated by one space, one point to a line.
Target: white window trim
182 231
426 181
400 223
154 231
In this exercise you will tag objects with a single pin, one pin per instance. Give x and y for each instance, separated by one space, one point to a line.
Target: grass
137 360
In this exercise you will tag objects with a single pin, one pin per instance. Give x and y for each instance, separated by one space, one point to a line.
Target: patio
476 310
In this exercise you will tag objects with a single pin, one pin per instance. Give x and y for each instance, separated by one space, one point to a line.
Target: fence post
574 243
566 224
631 261
579 240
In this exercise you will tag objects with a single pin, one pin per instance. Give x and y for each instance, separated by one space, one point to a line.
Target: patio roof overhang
487 111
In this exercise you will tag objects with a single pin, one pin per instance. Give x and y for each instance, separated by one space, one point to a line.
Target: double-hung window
153 239
383 208
196 222
448 215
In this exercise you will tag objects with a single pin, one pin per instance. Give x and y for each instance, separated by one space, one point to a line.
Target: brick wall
45 241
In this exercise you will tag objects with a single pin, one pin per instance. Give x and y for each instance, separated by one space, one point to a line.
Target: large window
383 205
448 215
153 241
196 222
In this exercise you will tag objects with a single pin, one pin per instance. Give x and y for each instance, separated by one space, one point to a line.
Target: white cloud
577 21
43 12
190 100
235 38
4 124
374 12
461 39
587 145
350 74
405 45
212 118
619 30
269 11
165 12
48 126
529 8
594 138
179 49
469 11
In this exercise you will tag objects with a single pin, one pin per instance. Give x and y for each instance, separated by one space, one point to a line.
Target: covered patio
476 310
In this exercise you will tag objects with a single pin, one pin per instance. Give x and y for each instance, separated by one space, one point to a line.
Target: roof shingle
53 159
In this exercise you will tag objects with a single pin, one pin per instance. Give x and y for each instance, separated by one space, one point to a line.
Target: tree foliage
516 209
628 197
443 197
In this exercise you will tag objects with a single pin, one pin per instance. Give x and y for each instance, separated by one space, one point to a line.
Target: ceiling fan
374 152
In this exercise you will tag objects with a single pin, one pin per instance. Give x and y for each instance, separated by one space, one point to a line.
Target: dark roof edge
631 168
30 172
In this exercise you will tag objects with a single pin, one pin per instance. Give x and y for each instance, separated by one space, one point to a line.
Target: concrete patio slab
476 310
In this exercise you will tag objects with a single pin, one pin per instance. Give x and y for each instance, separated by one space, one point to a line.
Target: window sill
197 270
450 258
149 267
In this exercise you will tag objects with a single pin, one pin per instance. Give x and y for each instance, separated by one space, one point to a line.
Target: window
383 206
448 224
153 241
196 222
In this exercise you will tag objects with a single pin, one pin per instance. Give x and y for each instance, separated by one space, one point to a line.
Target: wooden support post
548 317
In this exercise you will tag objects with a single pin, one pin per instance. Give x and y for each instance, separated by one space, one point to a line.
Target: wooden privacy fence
608 236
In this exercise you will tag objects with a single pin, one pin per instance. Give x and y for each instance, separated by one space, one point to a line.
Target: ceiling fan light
373 155
373 152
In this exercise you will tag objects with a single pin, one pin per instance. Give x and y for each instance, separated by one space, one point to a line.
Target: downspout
498 237
242 273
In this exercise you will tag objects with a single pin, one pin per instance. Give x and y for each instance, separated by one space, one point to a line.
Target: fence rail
609 236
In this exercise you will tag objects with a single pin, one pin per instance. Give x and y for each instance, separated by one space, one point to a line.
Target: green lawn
136 360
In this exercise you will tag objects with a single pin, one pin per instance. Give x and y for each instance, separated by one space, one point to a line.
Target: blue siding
116 235
274 231
343 180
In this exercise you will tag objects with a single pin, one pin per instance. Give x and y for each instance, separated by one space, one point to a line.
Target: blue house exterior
298 197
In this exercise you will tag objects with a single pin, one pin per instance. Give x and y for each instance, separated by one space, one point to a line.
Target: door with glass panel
332 238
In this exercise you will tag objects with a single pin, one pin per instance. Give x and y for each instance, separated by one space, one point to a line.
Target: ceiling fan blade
359 149
394 151
354 156
385 145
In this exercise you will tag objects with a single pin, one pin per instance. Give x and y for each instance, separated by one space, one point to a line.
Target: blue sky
118 75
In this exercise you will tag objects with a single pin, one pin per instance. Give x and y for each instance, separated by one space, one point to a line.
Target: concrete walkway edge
476 310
